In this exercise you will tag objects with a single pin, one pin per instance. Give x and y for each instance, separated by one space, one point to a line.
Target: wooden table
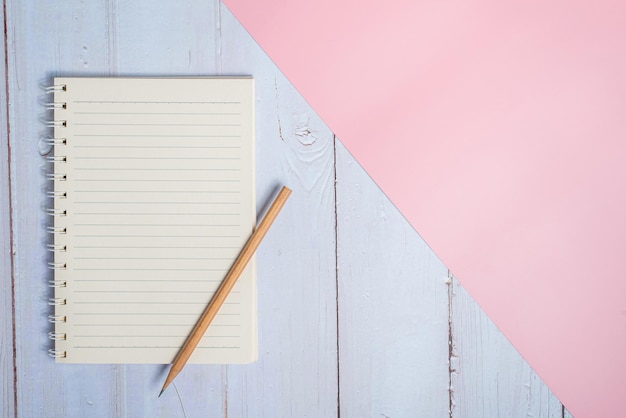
357 316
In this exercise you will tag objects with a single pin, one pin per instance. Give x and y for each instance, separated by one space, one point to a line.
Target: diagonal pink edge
498 128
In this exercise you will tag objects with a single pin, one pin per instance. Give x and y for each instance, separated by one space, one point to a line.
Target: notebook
154 197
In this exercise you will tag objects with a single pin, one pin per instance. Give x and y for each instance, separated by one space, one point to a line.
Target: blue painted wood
7 390
333 336
46 39
393 298
296 374
489 377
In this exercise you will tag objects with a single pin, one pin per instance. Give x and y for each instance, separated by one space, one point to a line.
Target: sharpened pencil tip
162 390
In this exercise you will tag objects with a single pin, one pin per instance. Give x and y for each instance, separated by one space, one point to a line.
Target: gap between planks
9 191
336 273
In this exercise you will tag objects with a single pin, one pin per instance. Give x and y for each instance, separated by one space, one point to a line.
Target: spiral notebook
153 200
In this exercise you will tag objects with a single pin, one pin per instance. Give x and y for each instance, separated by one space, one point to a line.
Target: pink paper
498 128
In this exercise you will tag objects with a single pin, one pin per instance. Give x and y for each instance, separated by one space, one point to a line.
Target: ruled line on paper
127 202
148 346
148 313
156 147
161 180
151 213
161 113
153 169
135 301
153 303
153 258
155 124
158 202
145 269
159 191
155 224
194 292
181 325
156 136
150 325
153 336
152 102
144 247
156 236
151 280
154 158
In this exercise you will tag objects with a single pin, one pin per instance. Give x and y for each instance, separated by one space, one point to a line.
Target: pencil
227 285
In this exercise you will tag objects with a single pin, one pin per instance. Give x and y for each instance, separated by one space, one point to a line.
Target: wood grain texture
296 375
89 39
489 377
147 38
7 390
223 291
393 307
45 39
393 316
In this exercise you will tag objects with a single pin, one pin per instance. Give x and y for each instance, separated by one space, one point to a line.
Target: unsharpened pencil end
162 390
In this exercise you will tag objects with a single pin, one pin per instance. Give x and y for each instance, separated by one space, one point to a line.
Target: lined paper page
160 200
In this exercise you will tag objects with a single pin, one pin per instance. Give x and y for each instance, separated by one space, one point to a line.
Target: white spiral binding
57 266
57 301
55 105
57 248
57 195
55 88
56 176
57 319
56 212
57 283
55 123
57 354
56 230
57 158
54 141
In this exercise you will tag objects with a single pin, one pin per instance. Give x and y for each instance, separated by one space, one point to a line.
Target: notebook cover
154 198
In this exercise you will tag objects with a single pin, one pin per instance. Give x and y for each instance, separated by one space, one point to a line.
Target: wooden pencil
227 285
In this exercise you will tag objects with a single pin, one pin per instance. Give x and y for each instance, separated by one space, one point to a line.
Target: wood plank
7 393
490 378
296 374
93 39
126 31
45 40
393 345
149 38
393 306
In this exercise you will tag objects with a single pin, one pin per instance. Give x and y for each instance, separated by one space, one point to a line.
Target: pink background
498 129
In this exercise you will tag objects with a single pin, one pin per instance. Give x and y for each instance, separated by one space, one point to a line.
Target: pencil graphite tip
161 393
